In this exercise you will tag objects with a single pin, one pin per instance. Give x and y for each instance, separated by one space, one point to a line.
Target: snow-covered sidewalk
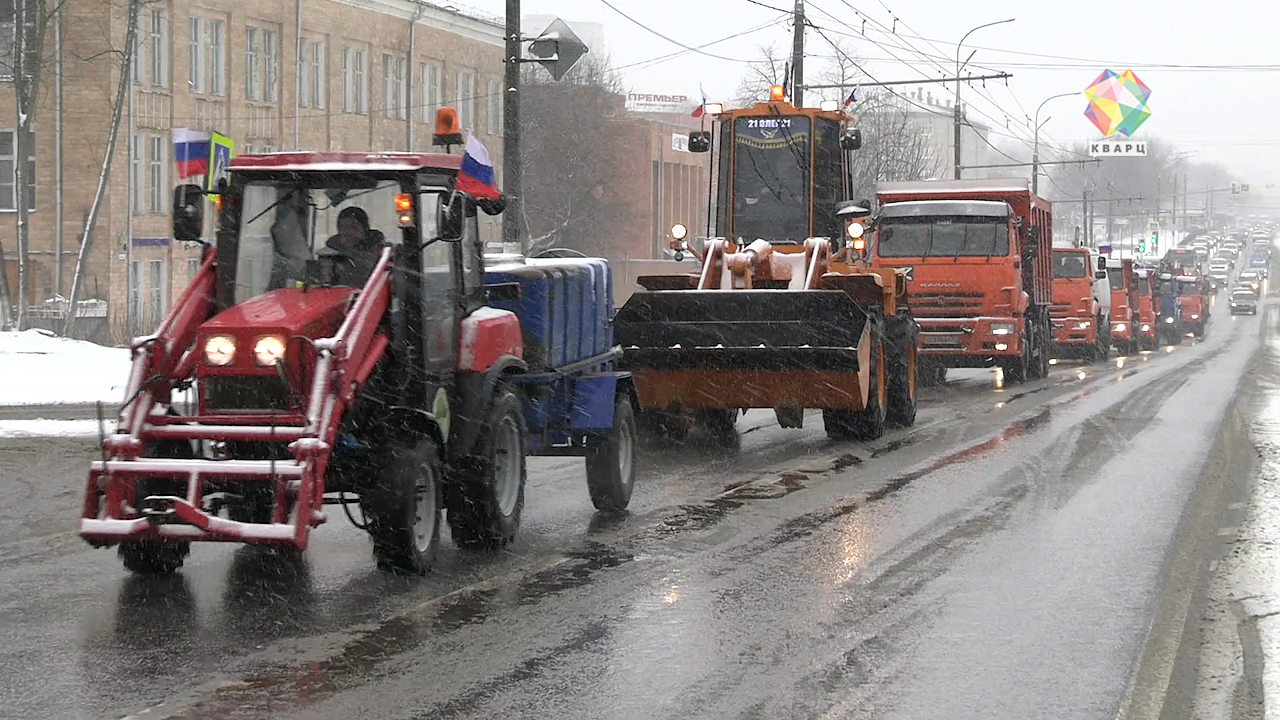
39 368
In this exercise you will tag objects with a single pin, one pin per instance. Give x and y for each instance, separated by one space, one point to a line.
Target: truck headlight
1195 317
1083 324
1120 327
1169 319
268 349
1003 328
219 350
1146 328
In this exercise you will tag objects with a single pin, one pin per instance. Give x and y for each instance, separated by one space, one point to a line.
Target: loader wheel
611 460
403 508
158 557
493 484
866 424
900 405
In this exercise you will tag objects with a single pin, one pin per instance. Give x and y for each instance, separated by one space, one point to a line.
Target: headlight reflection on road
998 378
1082 375
1120 363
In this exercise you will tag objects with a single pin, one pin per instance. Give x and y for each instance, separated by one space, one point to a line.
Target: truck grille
246 393
945 304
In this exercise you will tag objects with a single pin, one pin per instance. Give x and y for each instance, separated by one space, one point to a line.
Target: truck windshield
1116 277
1071 265
943 236
287 222
1165 287
1144 287
1188 287
771 178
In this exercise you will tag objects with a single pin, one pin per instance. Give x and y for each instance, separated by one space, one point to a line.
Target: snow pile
39 368
54 428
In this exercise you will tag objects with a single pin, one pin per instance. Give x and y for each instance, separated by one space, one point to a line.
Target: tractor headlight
1003 328
1120 327
219 350
269 349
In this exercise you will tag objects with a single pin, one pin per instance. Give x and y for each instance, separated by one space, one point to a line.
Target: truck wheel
868 423
900 390
719 424
157 557
403 508
611 460
493 483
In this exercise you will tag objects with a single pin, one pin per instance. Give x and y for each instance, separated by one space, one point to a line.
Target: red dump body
972 301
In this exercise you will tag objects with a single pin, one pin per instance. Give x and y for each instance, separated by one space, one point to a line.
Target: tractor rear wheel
611 460
403 508
492 497
901 363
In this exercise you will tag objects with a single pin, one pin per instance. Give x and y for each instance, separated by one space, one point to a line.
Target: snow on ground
54 428
39 368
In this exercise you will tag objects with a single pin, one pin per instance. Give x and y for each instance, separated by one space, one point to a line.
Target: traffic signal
1142 246
1155 239
1235 188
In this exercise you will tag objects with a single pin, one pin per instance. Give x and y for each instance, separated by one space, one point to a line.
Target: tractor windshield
1070 265
289 221
771 178
943 236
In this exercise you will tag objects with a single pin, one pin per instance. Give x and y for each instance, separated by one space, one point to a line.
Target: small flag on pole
855 96
475 177
191 151
698 111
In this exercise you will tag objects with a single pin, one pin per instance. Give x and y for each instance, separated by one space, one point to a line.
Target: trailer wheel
403 508
900 405
493 483
720 425
611 460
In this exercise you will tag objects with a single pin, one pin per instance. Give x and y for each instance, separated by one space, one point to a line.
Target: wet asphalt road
1001 559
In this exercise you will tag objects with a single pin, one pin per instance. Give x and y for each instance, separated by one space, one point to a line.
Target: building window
155 291
270 66
157 174
140 50
465 89
493 108
195 59
135 280
304 83
135 173
9 172
432 79
402 89
159 48
252 62
388 88
193 267
217 57
318 65
355 93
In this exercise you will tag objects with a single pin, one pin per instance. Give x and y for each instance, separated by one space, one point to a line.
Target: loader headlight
268 349
855 230
1003 328
219 350
679 231
1120 327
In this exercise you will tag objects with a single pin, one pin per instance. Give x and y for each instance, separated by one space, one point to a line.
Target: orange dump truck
982 285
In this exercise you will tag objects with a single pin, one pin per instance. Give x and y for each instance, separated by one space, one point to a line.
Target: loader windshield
771 177
943 236
289 221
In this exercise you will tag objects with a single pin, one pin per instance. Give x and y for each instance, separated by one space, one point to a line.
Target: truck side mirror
851 140
453 216
700 141
188 213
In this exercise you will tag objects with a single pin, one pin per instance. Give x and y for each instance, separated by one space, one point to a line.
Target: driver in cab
356 248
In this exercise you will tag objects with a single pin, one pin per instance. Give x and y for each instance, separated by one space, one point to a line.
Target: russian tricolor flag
475 177
191 152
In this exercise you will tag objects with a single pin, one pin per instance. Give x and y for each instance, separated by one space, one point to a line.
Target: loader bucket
745 348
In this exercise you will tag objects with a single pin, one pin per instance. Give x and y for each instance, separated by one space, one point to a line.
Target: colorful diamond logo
1117 103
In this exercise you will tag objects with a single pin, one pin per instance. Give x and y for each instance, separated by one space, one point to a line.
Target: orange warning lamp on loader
776 93
448 131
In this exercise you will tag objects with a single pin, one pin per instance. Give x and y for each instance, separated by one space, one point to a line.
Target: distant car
1243 301
1252 280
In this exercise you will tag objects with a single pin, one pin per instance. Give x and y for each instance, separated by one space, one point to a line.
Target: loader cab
783 171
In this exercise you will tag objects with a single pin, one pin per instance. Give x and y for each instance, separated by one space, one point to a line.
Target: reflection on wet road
997 560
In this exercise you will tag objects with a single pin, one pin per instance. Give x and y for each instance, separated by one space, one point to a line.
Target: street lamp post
957 101
1035 151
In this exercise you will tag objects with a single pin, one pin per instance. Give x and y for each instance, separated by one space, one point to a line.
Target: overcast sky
1224 115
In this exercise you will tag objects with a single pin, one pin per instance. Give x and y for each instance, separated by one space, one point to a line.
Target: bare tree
769 70
104 174
571 156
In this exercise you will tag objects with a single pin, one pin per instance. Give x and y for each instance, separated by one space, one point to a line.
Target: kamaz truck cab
1081 304
1193 303
1145 317
1123 303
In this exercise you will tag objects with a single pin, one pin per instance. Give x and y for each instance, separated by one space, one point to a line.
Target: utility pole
797 57
956 118
511 214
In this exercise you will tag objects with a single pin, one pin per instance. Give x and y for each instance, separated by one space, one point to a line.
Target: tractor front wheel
611 460
149 557
492 497
403 509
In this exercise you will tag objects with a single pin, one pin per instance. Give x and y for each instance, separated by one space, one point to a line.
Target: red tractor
333 364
